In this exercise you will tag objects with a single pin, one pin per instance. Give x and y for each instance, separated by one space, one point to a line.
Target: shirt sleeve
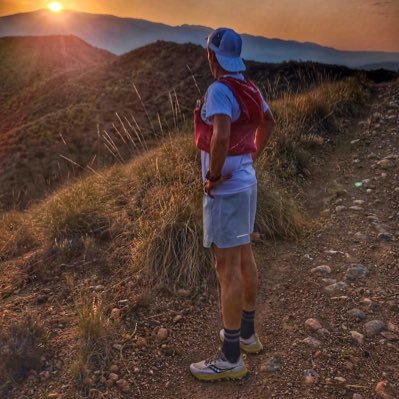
218 101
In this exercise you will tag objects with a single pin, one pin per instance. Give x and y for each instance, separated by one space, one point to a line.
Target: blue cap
227 44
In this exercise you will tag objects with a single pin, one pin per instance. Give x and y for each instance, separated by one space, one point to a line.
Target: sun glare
55 6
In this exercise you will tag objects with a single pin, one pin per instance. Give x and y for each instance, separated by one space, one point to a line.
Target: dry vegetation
147 213
51 108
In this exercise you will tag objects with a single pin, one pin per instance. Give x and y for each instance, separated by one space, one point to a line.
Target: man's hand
210 185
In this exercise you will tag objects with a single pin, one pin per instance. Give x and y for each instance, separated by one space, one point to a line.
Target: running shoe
218 367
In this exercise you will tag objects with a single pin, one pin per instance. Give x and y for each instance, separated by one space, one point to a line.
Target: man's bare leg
249 275
228 271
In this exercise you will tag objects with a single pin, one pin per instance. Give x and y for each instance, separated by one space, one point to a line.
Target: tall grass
94 335
149 209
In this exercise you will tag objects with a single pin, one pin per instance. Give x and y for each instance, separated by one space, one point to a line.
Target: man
232 127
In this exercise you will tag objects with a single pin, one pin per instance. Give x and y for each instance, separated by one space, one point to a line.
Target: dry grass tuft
17 234
94 343
74 211
278 215
21 348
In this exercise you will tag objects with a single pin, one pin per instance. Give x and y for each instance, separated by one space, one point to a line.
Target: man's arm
263 133
219 148
219 143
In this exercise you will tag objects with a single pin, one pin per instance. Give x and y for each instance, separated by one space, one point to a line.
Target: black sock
231 345
247 324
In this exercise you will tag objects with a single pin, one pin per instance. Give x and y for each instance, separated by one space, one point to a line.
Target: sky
343 24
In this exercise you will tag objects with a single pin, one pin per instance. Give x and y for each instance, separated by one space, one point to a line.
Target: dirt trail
358 226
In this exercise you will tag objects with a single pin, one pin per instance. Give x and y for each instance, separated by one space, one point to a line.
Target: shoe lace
217 356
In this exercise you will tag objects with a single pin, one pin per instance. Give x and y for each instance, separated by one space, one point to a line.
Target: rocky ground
328 309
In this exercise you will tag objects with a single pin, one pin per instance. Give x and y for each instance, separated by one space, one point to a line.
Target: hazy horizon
354 25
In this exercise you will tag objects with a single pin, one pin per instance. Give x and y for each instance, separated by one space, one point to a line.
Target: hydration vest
242 134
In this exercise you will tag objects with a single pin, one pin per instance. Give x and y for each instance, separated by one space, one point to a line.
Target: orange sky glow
343 24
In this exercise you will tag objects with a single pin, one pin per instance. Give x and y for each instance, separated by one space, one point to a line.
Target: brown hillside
27 60
58 89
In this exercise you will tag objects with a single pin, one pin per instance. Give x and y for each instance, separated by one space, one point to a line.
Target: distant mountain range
120 35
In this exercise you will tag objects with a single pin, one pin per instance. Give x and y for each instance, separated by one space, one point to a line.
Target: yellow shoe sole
251 349
227 375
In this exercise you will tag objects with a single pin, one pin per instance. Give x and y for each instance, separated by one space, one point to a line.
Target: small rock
99 288
177 318
313 342
162 334
357 396
356 314
272 365
356 272
381 390
311 376
355 141
113 377
323 269
384 236
336 287
95 394
356 208
348 365
385 163
357 337
390 336
323 332
340 208
329 281
373 328
332 252
340 380
358 202
53 395
123 385
141 342
392 327
118 347
183 293
312 325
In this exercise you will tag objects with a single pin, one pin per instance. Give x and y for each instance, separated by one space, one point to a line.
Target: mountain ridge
50 111
120 35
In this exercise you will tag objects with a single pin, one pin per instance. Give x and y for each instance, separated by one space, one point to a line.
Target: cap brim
231 64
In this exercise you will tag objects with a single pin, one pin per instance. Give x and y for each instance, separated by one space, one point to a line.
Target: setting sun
55 6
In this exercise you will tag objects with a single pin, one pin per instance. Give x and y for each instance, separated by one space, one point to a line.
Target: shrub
21 347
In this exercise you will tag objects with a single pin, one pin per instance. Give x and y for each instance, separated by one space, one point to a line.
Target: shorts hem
237 243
